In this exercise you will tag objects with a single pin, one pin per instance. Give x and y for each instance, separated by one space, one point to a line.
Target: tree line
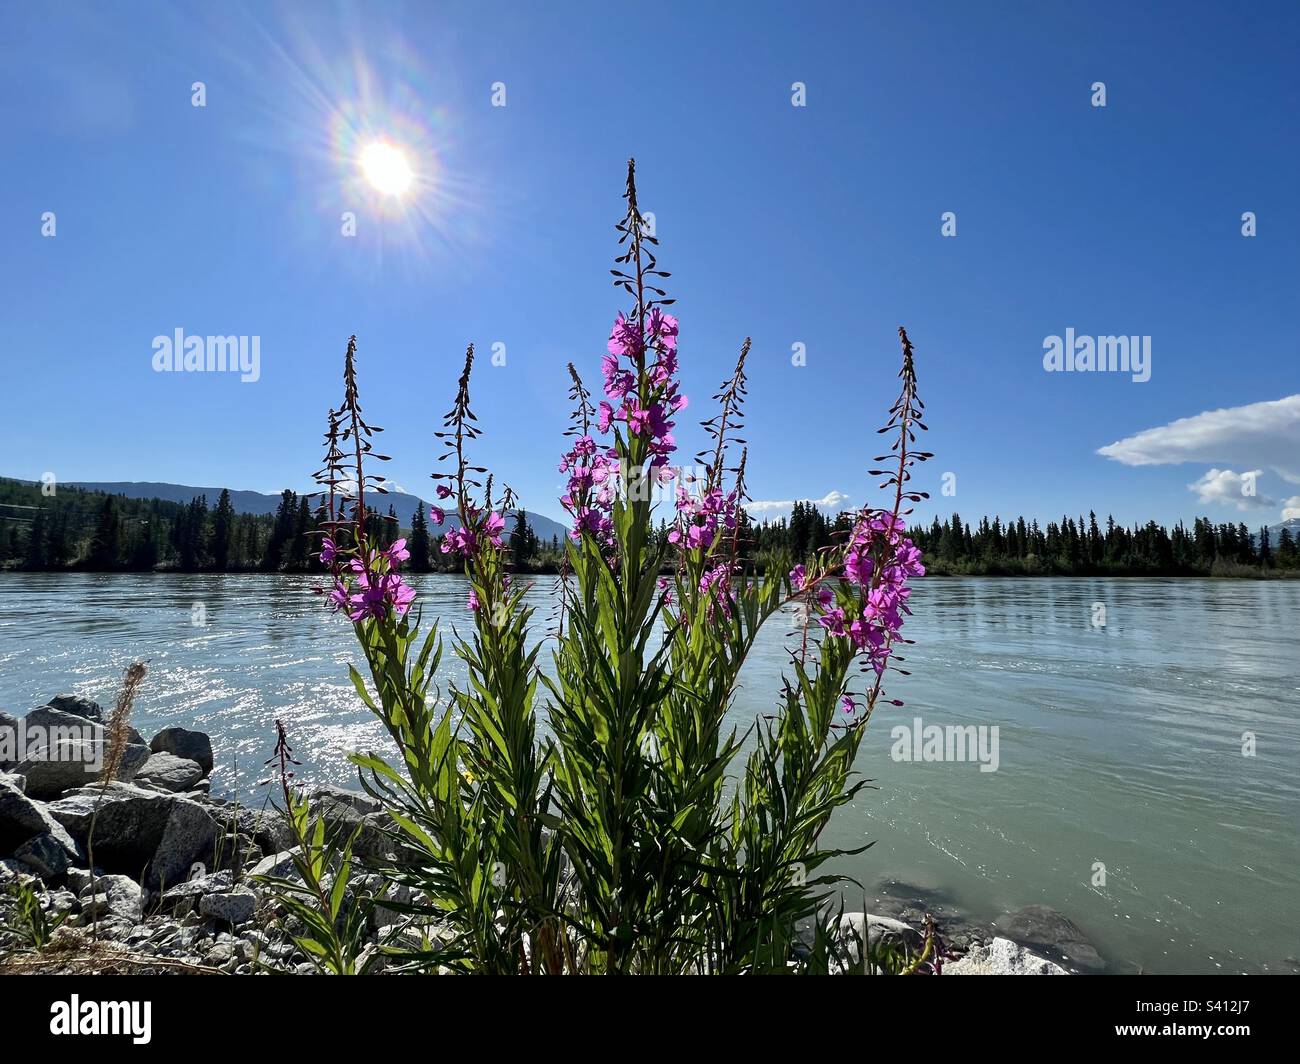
74 528
80 529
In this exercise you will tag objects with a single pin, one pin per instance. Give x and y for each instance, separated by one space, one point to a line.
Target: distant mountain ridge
256 502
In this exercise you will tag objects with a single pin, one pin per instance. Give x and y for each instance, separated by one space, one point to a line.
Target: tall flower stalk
638 832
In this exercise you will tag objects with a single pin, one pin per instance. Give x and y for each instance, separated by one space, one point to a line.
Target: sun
386 168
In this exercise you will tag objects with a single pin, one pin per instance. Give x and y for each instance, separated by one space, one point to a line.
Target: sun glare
386 168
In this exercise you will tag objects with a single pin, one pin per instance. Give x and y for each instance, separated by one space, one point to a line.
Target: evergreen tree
286 518
418 544
223 520
106 542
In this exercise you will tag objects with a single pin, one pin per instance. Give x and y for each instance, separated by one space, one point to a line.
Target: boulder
117 898
82 707
266 827
1002 957
44 855
191 745
140 829
276 866
169 772
22 818
73 725
183 897
11 869
189 838
71 763
347 813
1049 932
235 907
877 932
79 880
8 741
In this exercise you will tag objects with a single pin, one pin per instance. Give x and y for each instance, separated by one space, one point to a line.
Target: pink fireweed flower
328 551
376 593
473 602
460 541
338 596
848 704
716 583
833 621
858 567
625 338
437 515
396 553
604 417
444 492
493 527
663 329
797 576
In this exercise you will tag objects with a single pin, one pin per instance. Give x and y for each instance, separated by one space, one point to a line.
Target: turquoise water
1119 745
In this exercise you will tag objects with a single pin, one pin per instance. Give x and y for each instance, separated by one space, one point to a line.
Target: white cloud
1259 434
1291 508
829 501
1226 488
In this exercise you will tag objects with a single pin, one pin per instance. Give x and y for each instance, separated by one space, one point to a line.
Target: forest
86 530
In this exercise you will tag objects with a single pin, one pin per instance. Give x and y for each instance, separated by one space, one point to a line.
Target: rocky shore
175 885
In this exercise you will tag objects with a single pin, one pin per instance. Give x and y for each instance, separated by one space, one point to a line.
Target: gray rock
82 707
277 865
189 838
169 772
265 827
139 829
382 916
65 725
358 802
44 855
348 813
234 908
8 741
21 819
221 954
1047 931
183 897
14 780
11 869
117 897
71 763
191 745
878 932
1002 957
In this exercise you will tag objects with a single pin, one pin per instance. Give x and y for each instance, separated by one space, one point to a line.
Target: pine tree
418 544
223 519
299 541
286 517
106 542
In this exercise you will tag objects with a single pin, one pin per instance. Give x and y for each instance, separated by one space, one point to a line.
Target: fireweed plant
633 835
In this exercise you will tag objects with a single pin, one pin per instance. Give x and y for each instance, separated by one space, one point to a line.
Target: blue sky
817 225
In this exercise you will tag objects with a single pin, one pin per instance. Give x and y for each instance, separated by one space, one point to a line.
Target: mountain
256 502
1291 524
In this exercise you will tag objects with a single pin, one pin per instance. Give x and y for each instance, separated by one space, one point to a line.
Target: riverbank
178 873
